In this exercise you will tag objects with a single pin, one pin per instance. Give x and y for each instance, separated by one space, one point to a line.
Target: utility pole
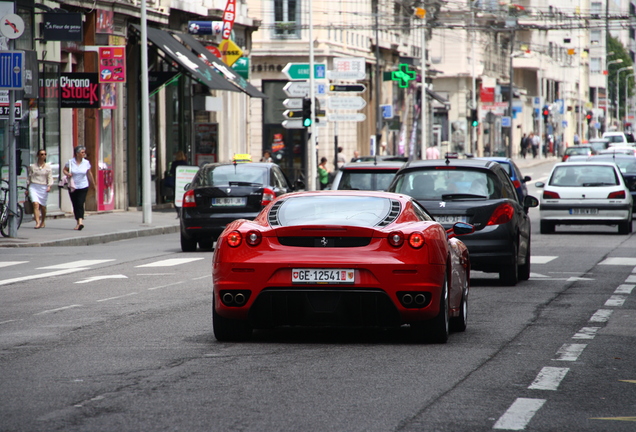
424 105
473 129
378 83
311 155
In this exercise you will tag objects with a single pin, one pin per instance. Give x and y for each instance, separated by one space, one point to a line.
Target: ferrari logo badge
324 242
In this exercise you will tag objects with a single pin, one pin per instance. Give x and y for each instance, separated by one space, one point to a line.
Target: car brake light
253 238
516 184
234 239
416 240
268 196
502 214
396 238
565 157
550 195
617 195
188 199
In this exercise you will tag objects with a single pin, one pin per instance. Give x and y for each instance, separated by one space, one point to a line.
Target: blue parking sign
12 70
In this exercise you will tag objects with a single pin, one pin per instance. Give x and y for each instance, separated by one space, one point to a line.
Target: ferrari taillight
396 238
253 238
188 199
268 196
416 240
502 214
234 239
550 195
617 195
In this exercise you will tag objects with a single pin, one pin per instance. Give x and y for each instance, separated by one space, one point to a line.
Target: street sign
357 88
356 117
387 111
300 71
292 114
346 102
348 68
12 70
11 26
301 89
293 124
294 103
505 121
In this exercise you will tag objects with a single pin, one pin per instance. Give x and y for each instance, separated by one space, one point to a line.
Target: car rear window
333 210
366 180
223 175
577 151
584 175
432 184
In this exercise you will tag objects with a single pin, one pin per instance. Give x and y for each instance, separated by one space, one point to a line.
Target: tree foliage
615 46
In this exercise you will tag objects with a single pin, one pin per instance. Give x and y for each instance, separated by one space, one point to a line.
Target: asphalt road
118 337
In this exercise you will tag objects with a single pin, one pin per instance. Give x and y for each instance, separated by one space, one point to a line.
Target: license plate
446 219
230 201
584 211
323 276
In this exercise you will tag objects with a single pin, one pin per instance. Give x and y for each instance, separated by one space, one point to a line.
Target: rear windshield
626 165
223 175
432 184
577 151
365 180
584 175
333 210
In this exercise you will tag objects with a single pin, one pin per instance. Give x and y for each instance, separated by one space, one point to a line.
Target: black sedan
223 192
481 193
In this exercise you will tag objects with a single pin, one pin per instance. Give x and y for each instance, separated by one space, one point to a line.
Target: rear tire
625 227
547 227
229 330
524 269
437 329
188 245
509 274
206 244
458 324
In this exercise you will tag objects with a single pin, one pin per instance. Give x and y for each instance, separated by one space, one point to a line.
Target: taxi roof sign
242 158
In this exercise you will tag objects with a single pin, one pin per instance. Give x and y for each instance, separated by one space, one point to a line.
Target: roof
471 163
368 165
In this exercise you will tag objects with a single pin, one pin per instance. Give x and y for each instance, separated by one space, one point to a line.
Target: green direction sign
403 75
242 67
300 71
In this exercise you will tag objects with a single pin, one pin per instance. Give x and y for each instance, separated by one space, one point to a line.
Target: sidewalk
99 228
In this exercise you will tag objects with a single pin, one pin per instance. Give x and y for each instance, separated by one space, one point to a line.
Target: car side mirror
527 179
539 184
459 229
530 201
299 184
187 186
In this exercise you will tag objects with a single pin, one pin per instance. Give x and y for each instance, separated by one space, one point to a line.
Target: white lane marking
549 378
58 309
115 298
586 333
537 275
155 274
75 264
40 276
10 263
7 322
630 279
519 414
569 352
601 315
538 259
618 261
164 286
574 279
170 262
96 278
624 289
615 301
202 277
634 270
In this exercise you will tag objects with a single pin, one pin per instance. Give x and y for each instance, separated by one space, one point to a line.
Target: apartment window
595 65
286 17
595 37
595 9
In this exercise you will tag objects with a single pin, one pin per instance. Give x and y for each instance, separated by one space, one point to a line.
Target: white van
616 138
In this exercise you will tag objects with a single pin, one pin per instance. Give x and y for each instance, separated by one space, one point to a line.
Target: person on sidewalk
323 173
39 182
524 145
432 152
536 142
79 169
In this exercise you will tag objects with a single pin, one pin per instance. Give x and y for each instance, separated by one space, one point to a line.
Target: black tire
625 227
206 244
509 275
546 227
524 269
229 330
4 224
188 245
437 329
458 324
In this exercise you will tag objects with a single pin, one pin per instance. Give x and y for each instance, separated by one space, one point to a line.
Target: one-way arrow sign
358 88
292 114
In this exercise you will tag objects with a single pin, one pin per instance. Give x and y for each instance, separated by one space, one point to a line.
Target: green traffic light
475 123
307 122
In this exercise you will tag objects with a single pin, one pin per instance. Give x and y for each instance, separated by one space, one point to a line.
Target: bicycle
4 210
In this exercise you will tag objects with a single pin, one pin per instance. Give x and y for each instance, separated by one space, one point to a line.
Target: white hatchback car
590 193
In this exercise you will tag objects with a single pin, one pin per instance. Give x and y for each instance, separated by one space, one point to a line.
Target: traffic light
546 113
474 120
588 117
306 112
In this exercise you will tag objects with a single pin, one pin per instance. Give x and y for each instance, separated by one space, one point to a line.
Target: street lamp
618 99
607 101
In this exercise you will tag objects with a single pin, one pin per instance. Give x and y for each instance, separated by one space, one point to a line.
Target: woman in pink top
79 169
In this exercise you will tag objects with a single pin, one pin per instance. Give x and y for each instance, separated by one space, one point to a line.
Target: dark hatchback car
221 193
518 181
481 193
366 175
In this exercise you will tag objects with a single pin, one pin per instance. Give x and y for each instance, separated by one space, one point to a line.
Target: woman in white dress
40 180
79 168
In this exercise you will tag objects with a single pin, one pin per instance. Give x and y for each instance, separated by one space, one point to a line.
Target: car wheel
230 330
458 324
206 244
625 227
524 269
437 329
547 227
509 275
188 245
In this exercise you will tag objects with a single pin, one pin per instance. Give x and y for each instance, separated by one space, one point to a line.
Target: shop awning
437 97
218 65
187 60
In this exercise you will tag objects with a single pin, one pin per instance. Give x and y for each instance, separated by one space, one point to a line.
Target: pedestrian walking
341 158
523 145
536 142
323 173
79 170
39 182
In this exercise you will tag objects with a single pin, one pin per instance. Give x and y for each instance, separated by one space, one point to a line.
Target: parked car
627 166
579 150
384 158
599 144
341 259
365 175
624 150
586 193
223 192
615 137
481 193
518 181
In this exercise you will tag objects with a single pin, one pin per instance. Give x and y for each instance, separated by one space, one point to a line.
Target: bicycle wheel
4 219
20 215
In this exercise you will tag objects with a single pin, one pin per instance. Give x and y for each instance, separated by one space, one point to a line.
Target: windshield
584 175
626 165
224 175
434 184
333 210
365 180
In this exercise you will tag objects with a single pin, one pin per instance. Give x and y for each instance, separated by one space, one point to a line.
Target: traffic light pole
311 150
